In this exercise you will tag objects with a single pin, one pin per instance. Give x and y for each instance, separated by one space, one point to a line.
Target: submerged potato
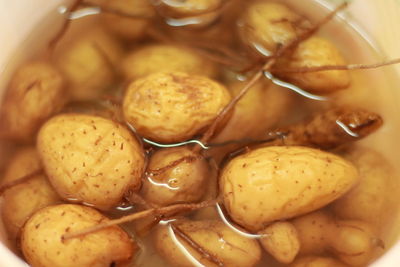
36 91
22 200
42 243
230 248
267 25
367 200
173 106
315 52
88 64
296 180
162 57
281 241
133 21
90 159
314 261
179 183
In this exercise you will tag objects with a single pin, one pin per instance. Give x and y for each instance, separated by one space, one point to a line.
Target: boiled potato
181 183
36 91
90 159
88 63
153 58
173 106
314 261
229 247
22 200
266 26
315 52
367 201
42 243
281 241
353 242
296 180
124 26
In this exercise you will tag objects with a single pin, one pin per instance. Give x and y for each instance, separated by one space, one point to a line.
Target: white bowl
378 21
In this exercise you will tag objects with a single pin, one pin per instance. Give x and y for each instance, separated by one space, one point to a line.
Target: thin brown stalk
174 163
134 198
257 76
20 180
337 67
193 244
163 212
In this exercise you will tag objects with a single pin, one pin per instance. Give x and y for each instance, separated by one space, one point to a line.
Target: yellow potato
42 243
36 91
162 57
353 242
315 52
129 28
90 159
367 201
88 63
266 25
314 261
296 180
229 247
281 241
22 200
173 106
183 183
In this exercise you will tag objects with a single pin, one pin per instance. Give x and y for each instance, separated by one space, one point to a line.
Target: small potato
123 26
42 243
161 57
353 242
88 64
296 180
22 200
315 52
214 237
90 159
36 91
281 241
314 261
367 200
266 26
182 183
173 106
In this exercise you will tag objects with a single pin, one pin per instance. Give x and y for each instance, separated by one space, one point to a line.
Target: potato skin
314 261
173 106
90 159
216 238
314 52
296 180
22 200
36 91
183 183
88 64
42 243
162 57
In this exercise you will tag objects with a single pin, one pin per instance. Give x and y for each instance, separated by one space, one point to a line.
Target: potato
90 159
265 26
296 180
88 63
315 52
314 261
36 91
22 200
42 243
353 242
214 237
153 58
281 241
185 182
128 28
367 201
173 106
